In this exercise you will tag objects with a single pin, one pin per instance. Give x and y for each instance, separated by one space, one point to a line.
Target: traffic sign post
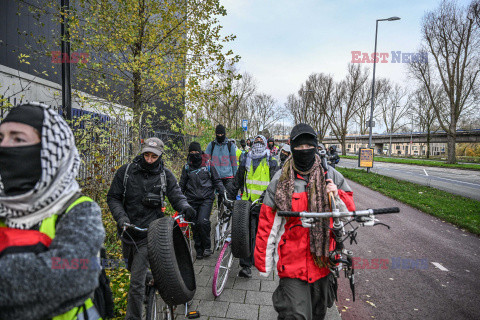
245 124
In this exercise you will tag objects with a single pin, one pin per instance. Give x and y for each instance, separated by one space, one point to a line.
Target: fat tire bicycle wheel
222 269
157 309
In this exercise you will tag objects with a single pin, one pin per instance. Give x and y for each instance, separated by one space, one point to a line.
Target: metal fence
105 143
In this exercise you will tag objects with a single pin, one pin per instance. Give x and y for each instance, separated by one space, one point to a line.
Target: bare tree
343 102
392 107
316 95
475 10
424 111
451 37
264 112
294 106
230 105
364 100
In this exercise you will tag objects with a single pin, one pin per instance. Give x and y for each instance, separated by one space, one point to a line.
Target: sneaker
245 272
207 253
199 255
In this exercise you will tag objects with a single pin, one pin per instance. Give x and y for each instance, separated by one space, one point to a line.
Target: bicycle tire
241 229
157 309
170 262
225 255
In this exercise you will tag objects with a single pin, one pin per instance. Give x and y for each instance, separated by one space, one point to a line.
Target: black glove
189 214
122 221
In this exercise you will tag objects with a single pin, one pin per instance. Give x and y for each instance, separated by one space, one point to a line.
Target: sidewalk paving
242 298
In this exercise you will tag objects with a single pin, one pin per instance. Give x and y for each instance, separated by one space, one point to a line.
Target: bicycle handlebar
358 213
132 226
181 219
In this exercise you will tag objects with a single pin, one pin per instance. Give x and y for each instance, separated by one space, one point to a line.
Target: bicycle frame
222 228
341 258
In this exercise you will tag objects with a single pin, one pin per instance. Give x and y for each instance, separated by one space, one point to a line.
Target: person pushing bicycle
300 254
137 196
255 172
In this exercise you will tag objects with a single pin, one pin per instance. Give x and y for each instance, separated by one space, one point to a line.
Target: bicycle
222 241
156 307
341 258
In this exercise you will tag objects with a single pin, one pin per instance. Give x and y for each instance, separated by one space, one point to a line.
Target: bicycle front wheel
222 269
157 309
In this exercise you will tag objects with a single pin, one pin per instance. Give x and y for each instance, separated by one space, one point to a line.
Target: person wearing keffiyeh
46 226
299 254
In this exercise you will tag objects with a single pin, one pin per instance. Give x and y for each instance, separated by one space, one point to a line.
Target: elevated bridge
463 136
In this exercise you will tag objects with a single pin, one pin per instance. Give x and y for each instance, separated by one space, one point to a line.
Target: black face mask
283 156
195 159
20 168
244 146
270 145
303 159
220 139
149 166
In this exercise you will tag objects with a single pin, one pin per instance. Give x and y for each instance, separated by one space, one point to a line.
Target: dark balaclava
220 130
243 144
13 160
271 143
302 133
150 166
195 159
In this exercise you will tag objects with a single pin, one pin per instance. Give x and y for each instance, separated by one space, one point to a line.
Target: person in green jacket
253 176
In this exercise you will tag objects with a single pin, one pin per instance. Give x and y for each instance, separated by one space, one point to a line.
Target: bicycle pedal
193 315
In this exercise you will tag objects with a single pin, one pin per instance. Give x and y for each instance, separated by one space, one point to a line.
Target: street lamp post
373 80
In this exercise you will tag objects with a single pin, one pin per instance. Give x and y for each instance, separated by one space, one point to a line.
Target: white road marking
425 172
439 266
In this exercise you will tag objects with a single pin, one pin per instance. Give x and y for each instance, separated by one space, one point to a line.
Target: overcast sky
282 42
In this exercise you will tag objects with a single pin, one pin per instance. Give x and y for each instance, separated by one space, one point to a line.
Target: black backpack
103 296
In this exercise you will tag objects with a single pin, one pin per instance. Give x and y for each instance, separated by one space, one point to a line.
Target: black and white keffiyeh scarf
60 162
258 151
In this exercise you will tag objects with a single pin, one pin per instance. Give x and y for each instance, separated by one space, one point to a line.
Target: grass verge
420 162
461 211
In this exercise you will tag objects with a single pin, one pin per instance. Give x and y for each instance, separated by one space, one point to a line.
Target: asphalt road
438 276
462 182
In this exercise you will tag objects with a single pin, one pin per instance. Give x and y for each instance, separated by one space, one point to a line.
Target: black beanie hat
27 114
220 129
242 142
303 134
194 146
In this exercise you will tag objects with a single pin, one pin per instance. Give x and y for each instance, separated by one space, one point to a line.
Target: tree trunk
428 142
451 158
344 149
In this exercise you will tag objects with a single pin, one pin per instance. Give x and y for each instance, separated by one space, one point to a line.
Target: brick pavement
241 299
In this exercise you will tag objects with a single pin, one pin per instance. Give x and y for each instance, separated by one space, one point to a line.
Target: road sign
365 158
368 124
244 124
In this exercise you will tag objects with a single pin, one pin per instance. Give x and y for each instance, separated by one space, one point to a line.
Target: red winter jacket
284 243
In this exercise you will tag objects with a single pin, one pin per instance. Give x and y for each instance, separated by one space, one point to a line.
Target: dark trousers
229 184
138 266
295 299
249 262
201 229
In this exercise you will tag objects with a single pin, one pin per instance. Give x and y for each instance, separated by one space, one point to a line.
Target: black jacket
200 184
242 170
140 182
